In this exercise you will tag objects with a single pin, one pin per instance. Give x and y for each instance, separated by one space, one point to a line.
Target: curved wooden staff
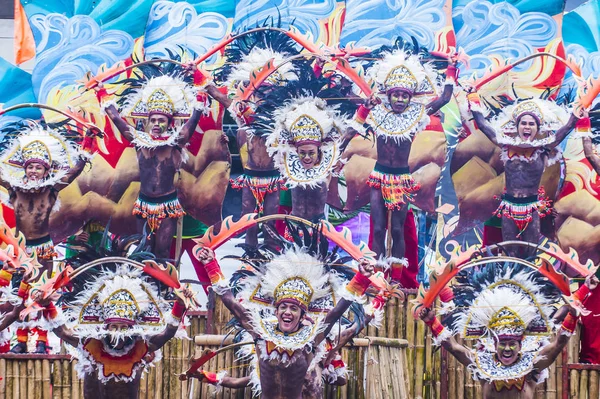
441 276
494 73
229 228
69 115
206 356
258 77
118 69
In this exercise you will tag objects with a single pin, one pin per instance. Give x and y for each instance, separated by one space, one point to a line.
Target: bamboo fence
396 361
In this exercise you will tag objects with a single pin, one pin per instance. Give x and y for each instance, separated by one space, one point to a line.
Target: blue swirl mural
67 48
305 14
372 23
501 30
173 26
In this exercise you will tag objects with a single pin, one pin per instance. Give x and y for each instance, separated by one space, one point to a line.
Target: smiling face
527 127
157 124
308 154
289 316
35 171
507 350
399 100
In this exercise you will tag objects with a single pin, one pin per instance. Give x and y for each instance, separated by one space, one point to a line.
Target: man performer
161 104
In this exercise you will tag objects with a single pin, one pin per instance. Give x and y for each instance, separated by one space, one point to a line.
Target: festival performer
11 305
261 181
160 105
528 133
409 106
35 166
303 132
116 326
508 311
291 285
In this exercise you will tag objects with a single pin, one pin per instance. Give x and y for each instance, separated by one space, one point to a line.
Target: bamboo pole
583 384
66 378
45 379
15 377
4 376
38 385
30 381
166 363
551 382
594 388
573 384
22 376
419 358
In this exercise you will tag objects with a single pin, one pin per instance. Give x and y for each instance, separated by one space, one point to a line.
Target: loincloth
43 247
397 185
261 183
155 209
520 210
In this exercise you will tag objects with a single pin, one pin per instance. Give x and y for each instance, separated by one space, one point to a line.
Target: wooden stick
178 241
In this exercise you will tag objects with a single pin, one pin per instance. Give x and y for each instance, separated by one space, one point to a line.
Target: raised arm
72 173
215 93
590 154
178 311
482 124
189 128
448 342
113 113
51 314
356 288
219 285
438 103
550 352
562 133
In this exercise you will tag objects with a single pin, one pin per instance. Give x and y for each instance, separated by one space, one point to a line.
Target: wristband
178 310
317 70
451 74
358 285
361 114
5 277
474 98
446 295
211 377
50 312
101 94
569 323
582 293
437 328
214 272
200 79
23 290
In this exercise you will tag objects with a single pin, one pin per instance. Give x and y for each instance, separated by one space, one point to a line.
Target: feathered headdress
502 301
549 116
404 71
55 150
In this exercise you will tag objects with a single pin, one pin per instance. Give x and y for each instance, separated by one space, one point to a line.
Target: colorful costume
501 301
125 297
520 210
174 98
549 117
397 185
260 183
399 71
305 276
43 247
243 58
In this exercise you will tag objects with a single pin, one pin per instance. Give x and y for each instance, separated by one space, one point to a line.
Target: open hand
187 293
